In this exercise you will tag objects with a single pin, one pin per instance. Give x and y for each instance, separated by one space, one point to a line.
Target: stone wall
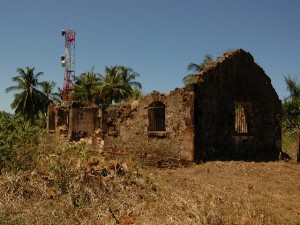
232 113
58 120
83 122
235 79
73 120
128 124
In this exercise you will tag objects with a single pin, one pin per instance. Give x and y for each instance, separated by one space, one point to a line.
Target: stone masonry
128 126
74 120
231 93
232 113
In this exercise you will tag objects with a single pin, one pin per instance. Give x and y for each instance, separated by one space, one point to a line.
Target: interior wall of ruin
128 126
83 122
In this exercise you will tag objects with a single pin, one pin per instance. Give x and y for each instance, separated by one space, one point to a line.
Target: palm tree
291 106
128 77
47 88
293 87
29 101
85 86
197 69
57 96
136 93
111 87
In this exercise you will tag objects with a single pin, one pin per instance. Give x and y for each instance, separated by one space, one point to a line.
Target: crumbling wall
83 122
73 120
232 113
51 119
236 80
58 120
128 126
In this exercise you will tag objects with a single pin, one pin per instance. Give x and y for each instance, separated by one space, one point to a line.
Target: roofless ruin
232 113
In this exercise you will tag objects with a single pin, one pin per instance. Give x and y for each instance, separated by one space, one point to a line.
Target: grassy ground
290 145
74 185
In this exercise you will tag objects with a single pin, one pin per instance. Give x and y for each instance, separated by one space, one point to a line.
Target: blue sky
157 38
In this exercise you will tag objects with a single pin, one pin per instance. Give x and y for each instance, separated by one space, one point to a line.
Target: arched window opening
156 116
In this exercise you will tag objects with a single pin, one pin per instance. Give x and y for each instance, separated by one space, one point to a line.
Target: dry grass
237 192
73 185
290 144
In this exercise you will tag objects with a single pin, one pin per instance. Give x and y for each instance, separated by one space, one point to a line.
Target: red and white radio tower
68 62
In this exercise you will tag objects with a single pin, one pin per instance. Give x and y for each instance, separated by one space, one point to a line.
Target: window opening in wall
243 117
156 116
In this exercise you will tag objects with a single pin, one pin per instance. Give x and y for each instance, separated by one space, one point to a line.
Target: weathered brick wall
127 126
51 118
201 121
83 122
57 119
236 78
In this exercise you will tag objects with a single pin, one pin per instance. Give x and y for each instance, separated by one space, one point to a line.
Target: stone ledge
157 133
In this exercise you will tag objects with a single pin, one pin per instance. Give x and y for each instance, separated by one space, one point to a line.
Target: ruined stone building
232 113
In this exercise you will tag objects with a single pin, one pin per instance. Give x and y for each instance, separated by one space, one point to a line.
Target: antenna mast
68 62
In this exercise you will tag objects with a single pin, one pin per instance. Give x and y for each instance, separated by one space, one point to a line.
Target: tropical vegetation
30 101
85 86
32 96
18 141
48 90
46 181
196 69
291 106
116 85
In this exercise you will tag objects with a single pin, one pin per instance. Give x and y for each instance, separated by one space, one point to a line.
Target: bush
291 107
19 143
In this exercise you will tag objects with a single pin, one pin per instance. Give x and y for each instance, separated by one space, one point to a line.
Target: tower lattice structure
68 62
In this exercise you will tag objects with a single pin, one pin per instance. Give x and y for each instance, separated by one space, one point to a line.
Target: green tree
196 69
6 140
85 86
117 84
57 96
291 106
128 77
47 88
18 142
30 101
137 93
111 87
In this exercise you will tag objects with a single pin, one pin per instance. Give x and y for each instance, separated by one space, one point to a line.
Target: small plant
63 175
